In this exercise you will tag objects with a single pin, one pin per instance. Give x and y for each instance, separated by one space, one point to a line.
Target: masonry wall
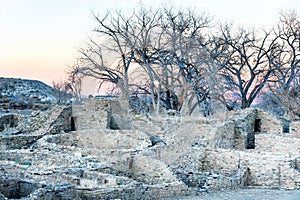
91 115
7 121
102 114
271 170
60 120
279 144
269 123
119 119
266 169
295 128
226 162
272 162
233 133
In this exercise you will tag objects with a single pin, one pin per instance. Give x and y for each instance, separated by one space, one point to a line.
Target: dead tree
248 68
185 50
61 91
286 78
108 54
146 34
74 81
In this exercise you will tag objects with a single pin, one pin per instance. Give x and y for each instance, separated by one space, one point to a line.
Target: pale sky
40 38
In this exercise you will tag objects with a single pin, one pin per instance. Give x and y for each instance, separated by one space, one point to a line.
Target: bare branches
247 68
182 64
286 62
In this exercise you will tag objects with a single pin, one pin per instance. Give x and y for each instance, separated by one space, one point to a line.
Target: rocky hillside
22 89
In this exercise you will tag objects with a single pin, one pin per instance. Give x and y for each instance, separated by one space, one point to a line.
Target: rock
119 122
156 140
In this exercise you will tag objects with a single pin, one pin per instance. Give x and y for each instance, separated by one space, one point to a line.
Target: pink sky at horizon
39 38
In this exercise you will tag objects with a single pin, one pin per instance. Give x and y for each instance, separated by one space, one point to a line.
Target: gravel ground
248 194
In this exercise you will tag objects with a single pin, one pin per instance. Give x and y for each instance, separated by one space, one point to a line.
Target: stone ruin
98 150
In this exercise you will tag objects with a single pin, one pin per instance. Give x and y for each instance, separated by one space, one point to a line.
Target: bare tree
220 57
183 58
61 94
286 77
172 56
74 81
108 55
147 34
248 67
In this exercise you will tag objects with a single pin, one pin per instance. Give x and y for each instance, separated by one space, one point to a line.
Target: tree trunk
158 100
151 85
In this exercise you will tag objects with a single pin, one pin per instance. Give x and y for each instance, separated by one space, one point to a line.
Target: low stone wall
53 120
8 121
32 128
276 143
217 182
295 129
17 141
266 169
223 161
269 123
108 139
139 191
272 170
61 121
19 188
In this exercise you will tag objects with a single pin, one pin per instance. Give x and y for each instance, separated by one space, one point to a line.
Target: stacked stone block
91 115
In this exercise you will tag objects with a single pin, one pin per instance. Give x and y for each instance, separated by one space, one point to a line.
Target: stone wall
235 131
102 114
53 120
217 182
271 170
295 129
31 128
8 121
266 168
91 115
106 139
279 144
273 125
61 121
17 141
272 162
269 123
119 119
223 161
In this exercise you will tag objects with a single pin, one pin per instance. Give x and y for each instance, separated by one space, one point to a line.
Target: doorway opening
257 125
73 124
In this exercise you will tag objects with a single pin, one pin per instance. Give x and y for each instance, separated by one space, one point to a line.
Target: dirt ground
248 194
